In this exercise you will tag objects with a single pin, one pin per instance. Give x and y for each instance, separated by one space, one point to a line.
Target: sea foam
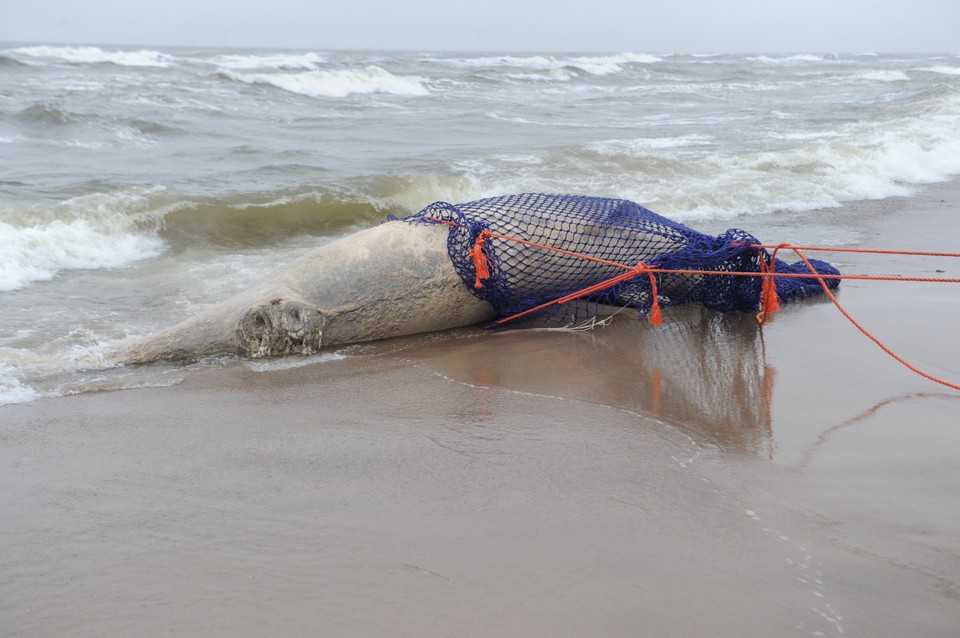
11 389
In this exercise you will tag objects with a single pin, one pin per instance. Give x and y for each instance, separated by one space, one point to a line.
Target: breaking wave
943 70
91 231
538 67
305 61
96 55
863 161
339 83
886 76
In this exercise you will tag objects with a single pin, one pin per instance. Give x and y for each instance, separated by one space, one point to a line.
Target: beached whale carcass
421 274
391 280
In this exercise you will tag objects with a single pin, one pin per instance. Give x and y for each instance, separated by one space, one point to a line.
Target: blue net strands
522 276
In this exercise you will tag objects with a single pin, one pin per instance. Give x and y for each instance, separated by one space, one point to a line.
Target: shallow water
140 185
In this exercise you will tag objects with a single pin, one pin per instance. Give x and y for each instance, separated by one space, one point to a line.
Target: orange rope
640 269
873 251
769 301
480 259
866 333
793 275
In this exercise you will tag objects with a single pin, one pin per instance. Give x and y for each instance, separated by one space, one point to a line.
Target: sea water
138 186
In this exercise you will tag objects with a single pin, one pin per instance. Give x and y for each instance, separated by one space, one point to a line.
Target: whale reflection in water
701 371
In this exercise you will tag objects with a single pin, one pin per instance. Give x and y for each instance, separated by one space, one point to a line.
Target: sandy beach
704 477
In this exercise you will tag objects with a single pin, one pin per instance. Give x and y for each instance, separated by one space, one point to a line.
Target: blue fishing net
523 276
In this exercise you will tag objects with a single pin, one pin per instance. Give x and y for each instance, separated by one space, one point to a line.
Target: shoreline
703 477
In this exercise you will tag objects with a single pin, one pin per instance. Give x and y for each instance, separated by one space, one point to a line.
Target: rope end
769 299
655 317
481 262
769 302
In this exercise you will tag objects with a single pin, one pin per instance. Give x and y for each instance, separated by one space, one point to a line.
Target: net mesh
522 276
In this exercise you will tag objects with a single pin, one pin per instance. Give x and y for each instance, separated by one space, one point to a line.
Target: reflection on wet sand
701 370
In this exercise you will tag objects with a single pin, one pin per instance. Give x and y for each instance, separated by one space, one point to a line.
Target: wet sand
700 478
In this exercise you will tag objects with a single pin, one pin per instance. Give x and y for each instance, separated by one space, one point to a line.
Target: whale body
423 273
391 280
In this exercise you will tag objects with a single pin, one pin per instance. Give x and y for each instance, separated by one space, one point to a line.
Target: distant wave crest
943 70
886 76
338 83
305 61
793 59
96 55
540 67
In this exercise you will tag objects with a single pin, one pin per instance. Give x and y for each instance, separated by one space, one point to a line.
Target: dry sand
701 478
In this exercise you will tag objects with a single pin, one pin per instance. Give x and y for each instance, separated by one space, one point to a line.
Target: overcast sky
774 26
